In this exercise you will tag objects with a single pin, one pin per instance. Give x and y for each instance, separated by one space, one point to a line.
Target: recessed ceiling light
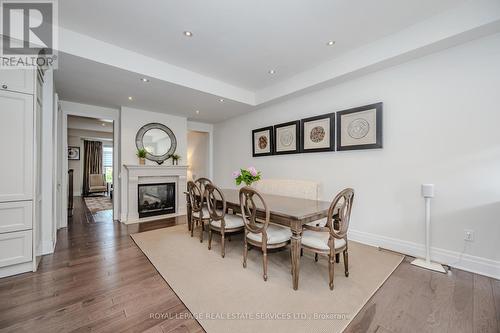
330 43
221 100
103 124
271 71
145 80
188 34
197 111
130 98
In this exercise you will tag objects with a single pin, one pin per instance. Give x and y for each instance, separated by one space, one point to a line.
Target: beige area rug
97 204
225 297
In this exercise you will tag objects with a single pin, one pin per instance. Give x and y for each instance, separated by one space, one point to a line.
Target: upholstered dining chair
220 222
259 233
199 213
329 239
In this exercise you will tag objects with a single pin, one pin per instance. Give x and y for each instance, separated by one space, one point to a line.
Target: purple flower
236 174
252 171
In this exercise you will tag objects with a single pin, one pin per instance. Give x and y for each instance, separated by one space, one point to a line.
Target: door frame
90 111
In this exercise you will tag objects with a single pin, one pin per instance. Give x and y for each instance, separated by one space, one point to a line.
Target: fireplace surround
138 175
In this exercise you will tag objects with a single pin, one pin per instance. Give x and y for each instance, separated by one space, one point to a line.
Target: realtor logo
28 33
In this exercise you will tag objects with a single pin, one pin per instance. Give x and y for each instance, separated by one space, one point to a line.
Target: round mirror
158 140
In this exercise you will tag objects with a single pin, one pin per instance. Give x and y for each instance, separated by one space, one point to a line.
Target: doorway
90 144
198 155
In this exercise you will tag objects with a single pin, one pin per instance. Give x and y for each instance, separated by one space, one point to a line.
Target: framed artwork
360 128
287 138
262 141
73 153
318 133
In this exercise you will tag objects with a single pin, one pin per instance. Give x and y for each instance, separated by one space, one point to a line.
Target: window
107 163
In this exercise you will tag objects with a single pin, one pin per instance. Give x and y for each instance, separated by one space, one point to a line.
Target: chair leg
223 245
316 257
337 257
192 227
264 261
346 263
331 268
202 230
209 238
301 252
291 262
245 254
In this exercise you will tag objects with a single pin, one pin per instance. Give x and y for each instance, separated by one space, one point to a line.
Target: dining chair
259 233
220 222
201 183
329 239
199 213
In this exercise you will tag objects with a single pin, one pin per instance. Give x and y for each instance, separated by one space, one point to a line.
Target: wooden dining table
289 212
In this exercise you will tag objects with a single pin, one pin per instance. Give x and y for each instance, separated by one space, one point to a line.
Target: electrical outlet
468 235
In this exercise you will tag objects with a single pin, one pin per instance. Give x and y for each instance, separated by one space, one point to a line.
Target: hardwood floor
419 300
98 280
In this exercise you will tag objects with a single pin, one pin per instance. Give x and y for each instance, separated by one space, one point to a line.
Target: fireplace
156 199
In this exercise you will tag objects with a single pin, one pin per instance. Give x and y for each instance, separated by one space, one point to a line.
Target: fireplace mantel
144 174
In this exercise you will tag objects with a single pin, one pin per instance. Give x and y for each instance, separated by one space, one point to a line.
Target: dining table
289 212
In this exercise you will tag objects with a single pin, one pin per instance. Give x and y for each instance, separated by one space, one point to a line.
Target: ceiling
106 47
239 41
84 81
90 124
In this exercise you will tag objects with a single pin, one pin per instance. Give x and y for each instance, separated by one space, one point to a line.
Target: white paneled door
16 145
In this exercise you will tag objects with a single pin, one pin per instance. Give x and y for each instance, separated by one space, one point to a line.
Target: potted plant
175 159
248 176
141 153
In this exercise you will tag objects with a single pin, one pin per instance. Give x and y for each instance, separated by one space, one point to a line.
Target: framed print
287 138
73 153
360 128
318 133
262 141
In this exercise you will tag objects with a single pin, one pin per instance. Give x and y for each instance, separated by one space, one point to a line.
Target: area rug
97 204
225 297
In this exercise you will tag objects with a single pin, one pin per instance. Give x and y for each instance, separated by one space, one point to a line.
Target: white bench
303 189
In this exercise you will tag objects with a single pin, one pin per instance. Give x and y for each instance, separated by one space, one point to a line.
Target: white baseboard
454 259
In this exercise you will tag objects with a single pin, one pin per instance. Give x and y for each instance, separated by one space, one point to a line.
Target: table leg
296 241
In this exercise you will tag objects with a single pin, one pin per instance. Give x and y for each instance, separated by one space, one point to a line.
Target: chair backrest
96 180
251 202
340 210
202 182
214 195
303 189
195 196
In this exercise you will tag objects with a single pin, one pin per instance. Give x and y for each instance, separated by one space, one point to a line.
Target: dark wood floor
98 280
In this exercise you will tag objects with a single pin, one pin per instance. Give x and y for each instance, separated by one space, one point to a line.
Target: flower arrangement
247 176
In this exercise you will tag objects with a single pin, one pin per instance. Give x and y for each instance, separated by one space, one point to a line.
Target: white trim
454 259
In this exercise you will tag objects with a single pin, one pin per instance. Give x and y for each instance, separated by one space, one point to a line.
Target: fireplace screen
156 199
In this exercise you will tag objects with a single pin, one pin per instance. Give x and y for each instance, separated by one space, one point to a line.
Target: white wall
131 121
441 116
198 154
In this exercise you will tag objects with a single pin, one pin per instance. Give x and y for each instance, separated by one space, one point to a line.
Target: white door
16 145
